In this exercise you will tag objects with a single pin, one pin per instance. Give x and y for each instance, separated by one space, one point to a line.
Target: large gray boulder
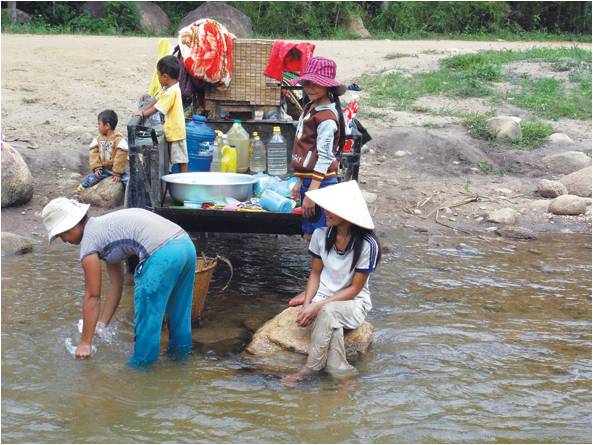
106 194
578 183
505 128
233 19
152 18
356 26
13 244
551 189
17 182
568 205
282 333
567 162
22 17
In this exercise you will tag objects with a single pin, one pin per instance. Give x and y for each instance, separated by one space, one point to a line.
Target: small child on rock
108 153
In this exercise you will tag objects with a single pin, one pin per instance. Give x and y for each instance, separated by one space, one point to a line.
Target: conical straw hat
345 200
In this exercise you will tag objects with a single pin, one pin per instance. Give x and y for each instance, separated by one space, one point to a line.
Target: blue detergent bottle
198 132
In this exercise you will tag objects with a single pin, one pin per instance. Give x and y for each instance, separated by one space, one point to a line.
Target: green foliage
440 17
551 98
475 124
534 134
64 17
487 20
486 167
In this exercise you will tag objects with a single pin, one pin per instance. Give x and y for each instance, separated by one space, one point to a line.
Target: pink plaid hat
320 71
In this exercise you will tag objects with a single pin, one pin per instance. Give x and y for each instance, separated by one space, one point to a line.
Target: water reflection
481 344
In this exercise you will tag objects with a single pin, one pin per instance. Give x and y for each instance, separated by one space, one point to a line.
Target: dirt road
54 86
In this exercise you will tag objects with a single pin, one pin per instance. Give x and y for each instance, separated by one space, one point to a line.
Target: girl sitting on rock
337 294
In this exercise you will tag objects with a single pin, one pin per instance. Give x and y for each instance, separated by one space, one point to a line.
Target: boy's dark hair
358 235
108 117
169 65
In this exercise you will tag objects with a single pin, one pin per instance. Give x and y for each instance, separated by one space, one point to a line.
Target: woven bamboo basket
204 269
249 86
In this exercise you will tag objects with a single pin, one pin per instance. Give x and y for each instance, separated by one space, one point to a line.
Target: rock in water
578 183
281 333
107 194
17 182
551 189
13 244
514 232
568 205
220 339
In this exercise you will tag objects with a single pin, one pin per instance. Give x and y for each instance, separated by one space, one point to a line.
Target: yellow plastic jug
228 163
240 139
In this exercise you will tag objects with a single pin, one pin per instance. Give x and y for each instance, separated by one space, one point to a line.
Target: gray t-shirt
123 233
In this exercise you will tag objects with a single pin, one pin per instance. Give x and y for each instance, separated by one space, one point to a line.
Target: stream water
484 342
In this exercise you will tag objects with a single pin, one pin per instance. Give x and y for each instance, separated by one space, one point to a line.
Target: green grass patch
552 99
475 75
475 124
534 134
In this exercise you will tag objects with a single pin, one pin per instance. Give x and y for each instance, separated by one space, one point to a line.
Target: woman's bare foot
291 380
298 300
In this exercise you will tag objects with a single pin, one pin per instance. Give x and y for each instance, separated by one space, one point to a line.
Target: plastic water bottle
240 139
277 154
216 152
258 156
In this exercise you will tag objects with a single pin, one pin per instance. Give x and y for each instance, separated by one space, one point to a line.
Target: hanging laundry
207 50
288 56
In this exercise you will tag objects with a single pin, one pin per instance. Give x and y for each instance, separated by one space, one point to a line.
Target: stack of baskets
249 88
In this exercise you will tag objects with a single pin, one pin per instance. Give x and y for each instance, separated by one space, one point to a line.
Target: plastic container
228 163
238 137
273 202
277 154
216 151
258 156
284 188
198 132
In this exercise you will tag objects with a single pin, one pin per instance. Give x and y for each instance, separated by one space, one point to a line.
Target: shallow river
485 343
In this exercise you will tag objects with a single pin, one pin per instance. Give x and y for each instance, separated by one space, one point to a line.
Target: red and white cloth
207 50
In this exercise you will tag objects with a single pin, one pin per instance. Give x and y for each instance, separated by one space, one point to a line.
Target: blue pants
164 285
318 220
92 179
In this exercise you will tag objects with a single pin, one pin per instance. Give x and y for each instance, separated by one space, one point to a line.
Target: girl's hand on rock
308 314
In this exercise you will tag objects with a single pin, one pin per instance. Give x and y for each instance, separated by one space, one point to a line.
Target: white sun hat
61 214
345 200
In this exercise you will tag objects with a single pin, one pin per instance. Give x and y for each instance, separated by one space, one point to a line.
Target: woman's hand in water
83 351
308 314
